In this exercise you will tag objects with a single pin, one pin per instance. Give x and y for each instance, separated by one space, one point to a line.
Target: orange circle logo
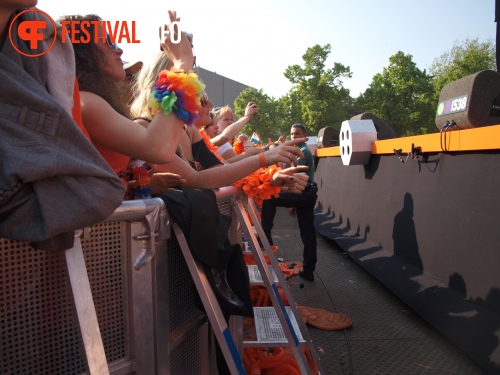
29 31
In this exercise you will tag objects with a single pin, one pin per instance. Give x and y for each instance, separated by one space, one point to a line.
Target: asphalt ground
387 337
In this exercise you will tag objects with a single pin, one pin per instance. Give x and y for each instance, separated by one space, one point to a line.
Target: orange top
118 162
77 109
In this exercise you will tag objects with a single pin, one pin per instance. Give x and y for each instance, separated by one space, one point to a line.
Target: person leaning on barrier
99 67
301 205
199 172
52 180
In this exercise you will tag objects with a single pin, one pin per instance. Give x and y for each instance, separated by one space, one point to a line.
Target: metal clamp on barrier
156 221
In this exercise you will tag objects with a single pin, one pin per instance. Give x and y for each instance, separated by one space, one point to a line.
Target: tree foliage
268 123
401 96
463 59
317 93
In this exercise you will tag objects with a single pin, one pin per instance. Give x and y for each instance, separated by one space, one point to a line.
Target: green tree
402 96
268 122
463 59
317 94
290 109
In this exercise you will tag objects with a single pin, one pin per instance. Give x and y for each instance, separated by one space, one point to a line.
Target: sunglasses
113 45
204 100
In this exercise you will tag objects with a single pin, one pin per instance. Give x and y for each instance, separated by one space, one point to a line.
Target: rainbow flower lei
178 93
258 184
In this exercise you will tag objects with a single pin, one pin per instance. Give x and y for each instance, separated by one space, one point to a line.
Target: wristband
262 160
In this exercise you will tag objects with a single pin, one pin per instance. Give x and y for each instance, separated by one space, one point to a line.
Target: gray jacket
52 179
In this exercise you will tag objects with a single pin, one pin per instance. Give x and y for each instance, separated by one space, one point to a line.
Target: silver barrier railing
119 302
105 306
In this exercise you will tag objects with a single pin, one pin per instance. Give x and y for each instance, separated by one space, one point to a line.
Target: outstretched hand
251 109
161 182
285 153
249 151
292 180
181 54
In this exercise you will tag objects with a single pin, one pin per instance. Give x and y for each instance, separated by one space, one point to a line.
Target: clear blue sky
254 41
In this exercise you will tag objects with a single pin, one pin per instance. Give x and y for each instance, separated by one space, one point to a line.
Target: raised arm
232 130
181 54
157 143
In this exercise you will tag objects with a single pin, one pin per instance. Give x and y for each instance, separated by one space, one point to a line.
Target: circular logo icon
440 109
31 31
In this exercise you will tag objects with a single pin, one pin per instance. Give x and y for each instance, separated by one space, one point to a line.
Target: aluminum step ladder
212 308
278 324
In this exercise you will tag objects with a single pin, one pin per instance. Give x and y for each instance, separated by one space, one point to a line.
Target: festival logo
32 32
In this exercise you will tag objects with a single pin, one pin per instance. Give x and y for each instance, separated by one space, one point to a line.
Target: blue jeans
304 204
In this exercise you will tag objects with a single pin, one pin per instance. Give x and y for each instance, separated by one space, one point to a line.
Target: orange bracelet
262 160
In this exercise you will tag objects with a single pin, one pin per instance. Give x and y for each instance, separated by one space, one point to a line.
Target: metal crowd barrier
133 314
121 301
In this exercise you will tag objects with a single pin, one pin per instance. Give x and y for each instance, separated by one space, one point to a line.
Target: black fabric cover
196 212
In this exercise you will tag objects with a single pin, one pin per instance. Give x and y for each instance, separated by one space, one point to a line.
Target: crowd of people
97 135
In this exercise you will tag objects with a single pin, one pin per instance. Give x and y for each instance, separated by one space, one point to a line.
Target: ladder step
269 330
256 277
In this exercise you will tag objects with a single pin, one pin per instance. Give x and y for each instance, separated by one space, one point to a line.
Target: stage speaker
470 102
384 131
328 137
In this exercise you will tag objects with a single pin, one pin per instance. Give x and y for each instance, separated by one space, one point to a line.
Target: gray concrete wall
221 90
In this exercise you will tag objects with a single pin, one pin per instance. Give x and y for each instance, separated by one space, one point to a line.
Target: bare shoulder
94 107
90 99
194 134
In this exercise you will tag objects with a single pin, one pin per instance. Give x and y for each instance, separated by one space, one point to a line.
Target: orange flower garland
238 147
258 184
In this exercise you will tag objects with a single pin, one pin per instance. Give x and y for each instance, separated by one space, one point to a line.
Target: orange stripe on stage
476 139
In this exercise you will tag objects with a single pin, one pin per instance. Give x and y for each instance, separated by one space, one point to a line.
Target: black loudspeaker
470 102
384 131
328 137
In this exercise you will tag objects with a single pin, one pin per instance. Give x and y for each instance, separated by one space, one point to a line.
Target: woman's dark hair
89 60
